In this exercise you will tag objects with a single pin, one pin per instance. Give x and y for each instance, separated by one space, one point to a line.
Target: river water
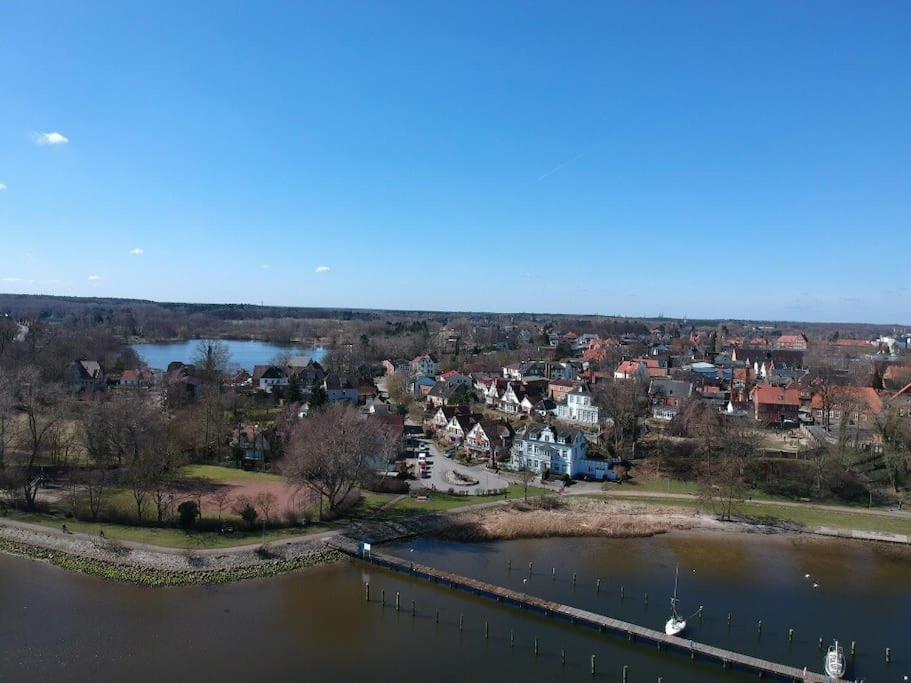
243 353
315 625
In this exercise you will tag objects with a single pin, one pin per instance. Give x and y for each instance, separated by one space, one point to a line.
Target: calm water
315 625
244 353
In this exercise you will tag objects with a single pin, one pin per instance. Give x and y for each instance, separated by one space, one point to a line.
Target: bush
249 515
188 513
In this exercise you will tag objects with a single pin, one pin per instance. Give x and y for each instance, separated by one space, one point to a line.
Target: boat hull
674 627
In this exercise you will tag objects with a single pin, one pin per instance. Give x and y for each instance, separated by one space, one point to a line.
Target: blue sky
707 159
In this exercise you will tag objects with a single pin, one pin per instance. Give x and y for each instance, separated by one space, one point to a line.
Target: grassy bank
805 516
156 577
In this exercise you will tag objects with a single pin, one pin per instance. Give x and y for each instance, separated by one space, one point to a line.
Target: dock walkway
727 658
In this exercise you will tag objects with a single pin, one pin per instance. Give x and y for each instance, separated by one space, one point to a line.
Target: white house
578 407
268 377
543 448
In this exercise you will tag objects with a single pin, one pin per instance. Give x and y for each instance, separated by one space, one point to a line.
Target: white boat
676 624
835 661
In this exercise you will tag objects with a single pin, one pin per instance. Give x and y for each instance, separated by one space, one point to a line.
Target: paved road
440 465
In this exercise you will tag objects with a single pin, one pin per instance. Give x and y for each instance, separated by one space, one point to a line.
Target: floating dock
726 658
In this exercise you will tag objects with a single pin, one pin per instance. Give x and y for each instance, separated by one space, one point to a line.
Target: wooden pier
727 658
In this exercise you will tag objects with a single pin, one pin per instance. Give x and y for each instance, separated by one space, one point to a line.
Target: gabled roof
670 387
765 394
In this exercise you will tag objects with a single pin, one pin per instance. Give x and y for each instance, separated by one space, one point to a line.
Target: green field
227 475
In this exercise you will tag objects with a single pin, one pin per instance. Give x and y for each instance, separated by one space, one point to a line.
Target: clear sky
700 158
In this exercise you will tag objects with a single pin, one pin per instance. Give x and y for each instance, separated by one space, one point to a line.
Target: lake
314 625
243 353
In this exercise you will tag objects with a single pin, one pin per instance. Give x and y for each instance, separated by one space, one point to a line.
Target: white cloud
12 279
53 138
94 278
138 251
322 269
2 187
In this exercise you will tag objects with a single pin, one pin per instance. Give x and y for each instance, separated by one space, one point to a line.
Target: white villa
578 407
542 448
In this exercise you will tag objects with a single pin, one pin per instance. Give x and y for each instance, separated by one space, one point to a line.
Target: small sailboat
835 661
676 624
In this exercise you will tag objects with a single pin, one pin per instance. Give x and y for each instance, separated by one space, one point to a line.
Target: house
600 350
860 405
558 389
436 420
253 444
268 377
520 398
401 366
340 389
454 379
793 342
584 341
366 391
425 365
458 427
775 405
241 378
490 439
85 375
578 407
558 450
421 386
631 369
667 395
137 378
443 394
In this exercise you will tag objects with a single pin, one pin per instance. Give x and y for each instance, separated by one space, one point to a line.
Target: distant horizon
685 158
384 309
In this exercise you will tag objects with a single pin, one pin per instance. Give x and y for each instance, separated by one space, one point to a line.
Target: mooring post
853 647
366 591
437 617
486 630
624 674
660 680
461 622
759 627
700 612
820 642
508 565
593 665
790 635
574 578
729 618
562 656
598 586
888 655
512 637
536 647
530 565
646 598
621 592
412 609
398 601
553 574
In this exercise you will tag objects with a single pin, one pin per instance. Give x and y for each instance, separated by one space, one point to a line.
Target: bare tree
41 405
526 476
331 452
222 500
7 416
211 360
265 502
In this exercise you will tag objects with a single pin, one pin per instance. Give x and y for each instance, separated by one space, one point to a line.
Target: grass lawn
806 516
227 475
675 486
167 538
443 501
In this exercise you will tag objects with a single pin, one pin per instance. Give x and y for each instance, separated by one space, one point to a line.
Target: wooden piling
624 674
436 618
486 630
461 622
888 656
598 586
853 647
621 592
562 656
413 611
398 601
512 637
759 627
366 591
508 565
819 644
730 616
593 665
790 635
536 647
383 596
553 574
574 578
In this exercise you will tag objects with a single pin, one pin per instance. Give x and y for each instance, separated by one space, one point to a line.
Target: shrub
188 513
249 515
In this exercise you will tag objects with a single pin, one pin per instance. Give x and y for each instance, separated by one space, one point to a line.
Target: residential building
559 388
137 378
859 405
490 439
544 448
775 405
578 407
269 377
437 420
425 365
631 369
340 389
794 342
85 375
667 395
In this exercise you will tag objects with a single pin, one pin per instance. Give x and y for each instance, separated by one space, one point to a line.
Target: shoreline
157 566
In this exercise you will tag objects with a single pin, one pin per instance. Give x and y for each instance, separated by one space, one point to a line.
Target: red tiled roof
769 395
